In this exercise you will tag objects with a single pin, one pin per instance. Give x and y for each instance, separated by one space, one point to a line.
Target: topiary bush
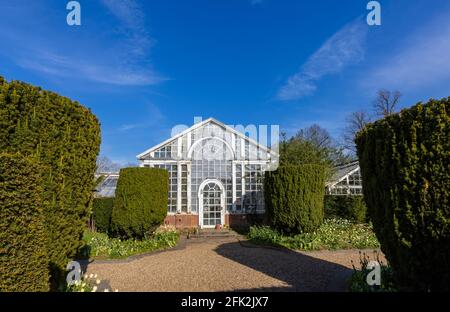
23 255
141 201
102 210
64 136
405 165
348 207
294 197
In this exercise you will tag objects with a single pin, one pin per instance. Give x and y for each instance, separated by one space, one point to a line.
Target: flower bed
100 246
332 234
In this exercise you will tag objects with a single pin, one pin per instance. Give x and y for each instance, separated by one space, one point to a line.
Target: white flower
94 289
97 281
106 290
95 276
91 276
116 290
85 276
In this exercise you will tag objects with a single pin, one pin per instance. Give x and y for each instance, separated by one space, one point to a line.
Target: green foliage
141 199
358 281
405 164
102 210
99 245
351 208
299 152
312 145
63 136
23 255
294 197
332 234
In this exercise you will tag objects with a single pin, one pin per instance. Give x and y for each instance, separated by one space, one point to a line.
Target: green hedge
102 210
352 208
405 164
141 201
23 255
294 197
64 136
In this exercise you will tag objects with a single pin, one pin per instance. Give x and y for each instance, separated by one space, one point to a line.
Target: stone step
213 234
215 231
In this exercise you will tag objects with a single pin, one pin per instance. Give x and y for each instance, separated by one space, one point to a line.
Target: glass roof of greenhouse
107 188
342 171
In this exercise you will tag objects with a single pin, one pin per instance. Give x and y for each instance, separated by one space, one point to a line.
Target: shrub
264 234
294 197
65 137
102 210
23 256
346 207
141 201
405 166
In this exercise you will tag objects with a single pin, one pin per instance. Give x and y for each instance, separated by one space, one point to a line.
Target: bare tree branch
386 102
356 121
316 135
104 164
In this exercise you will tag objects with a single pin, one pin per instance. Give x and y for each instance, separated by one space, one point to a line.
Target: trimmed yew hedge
102 210
63 136
23 255
350 207
405 164
140 204
294 197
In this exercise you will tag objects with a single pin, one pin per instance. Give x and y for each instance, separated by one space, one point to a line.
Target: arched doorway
211 159
212 203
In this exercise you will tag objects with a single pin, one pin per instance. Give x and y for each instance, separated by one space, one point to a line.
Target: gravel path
228 265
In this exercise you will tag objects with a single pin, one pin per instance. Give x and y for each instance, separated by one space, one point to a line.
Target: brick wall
191 220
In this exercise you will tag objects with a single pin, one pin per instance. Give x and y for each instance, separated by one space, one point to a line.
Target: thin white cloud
124 61
131 16
61 66
154 118
423 59
344 48
127 127
128 11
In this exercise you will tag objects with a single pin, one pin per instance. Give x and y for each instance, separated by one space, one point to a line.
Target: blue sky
146 66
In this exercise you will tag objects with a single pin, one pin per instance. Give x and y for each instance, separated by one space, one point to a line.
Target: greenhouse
215 174
346 180
107 187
